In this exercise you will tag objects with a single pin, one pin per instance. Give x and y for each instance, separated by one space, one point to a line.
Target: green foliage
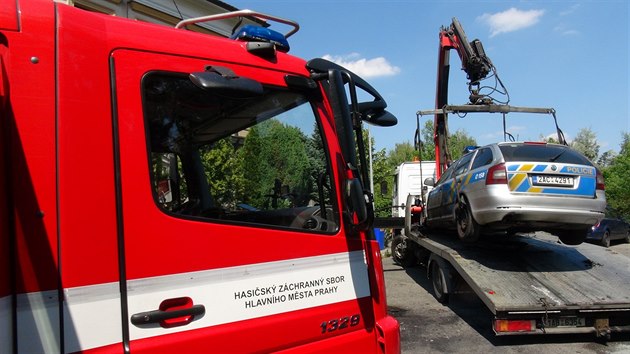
458 141
549 139
617 180
402 152
606 159
224 171
427 145
382 174
586 142
272 149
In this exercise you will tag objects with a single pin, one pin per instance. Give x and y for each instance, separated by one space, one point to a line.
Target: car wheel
402 253
572 238
467 228
606 239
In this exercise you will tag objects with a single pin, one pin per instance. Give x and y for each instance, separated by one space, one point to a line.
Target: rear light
535 143
497 175
600 181
502 326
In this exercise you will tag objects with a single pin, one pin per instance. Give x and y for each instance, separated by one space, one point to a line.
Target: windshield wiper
553 159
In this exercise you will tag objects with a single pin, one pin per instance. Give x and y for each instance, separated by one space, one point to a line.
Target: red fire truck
170 191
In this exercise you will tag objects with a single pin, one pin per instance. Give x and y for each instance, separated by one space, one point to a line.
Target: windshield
258 159
542 153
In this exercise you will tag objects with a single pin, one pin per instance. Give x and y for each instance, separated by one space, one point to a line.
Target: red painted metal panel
86 168
298 330
30 72
9 15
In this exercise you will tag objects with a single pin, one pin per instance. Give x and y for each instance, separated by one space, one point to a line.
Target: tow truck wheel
467 228
573 238
401 251
438 279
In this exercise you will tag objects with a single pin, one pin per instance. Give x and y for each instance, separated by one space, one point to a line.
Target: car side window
448 174
483 157
462 165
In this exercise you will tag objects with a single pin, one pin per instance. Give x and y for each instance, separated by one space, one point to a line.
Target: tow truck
530 283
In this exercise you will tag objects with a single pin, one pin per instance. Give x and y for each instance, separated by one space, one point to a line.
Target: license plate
565 322
546 180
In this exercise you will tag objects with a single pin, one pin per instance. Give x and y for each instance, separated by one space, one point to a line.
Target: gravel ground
464 326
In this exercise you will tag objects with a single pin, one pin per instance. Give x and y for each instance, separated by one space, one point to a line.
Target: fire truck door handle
159 316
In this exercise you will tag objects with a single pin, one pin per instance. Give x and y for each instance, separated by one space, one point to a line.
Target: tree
223 166
276 154
606 159
551 139
617 180
400 153
427 145
586 142
382 173
458 141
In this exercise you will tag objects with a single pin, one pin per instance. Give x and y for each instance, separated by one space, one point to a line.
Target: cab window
257 160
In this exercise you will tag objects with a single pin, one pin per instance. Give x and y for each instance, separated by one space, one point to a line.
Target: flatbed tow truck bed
535 285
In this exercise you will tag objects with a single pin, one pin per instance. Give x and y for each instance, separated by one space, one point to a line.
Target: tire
467 228
402 253
438 279
606 239
572 238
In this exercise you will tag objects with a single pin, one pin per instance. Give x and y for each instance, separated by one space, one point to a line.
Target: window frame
315 103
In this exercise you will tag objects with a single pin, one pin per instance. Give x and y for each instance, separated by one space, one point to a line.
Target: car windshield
542 153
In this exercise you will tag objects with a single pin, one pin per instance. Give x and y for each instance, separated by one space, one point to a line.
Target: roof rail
240 13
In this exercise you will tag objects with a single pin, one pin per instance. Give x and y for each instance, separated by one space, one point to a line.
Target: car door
618 228
459 183
436 197
205 271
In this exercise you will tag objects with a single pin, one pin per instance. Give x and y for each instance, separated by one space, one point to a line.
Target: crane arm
476 65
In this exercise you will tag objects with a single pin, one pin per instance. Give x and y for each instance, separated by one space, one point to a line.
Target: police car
519 187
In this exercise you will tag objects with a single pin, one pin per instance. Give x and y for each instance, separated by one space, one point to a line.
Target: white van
409 179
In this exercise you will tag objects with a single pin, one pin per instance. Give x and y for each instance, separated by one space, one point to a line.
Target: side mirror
381 118
429 181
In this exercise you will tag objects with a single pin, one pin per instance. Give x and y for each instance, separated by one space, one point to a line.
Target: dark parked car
609 229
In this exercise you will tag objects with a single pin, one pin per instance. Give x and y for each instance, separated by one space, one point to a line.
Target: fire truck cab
166 190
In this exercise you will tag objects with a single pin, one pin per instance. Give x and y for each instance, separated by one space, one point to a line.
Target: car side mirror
429 181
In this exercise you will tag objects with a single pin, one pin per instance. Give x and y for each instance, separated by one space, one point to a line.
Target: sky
572 56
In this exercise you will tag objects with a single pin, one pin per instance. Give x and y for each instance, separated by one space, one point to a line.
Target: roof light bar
260 34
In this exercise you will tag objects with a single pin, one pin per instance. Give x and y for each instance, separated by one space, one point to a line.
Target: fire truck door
248 264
